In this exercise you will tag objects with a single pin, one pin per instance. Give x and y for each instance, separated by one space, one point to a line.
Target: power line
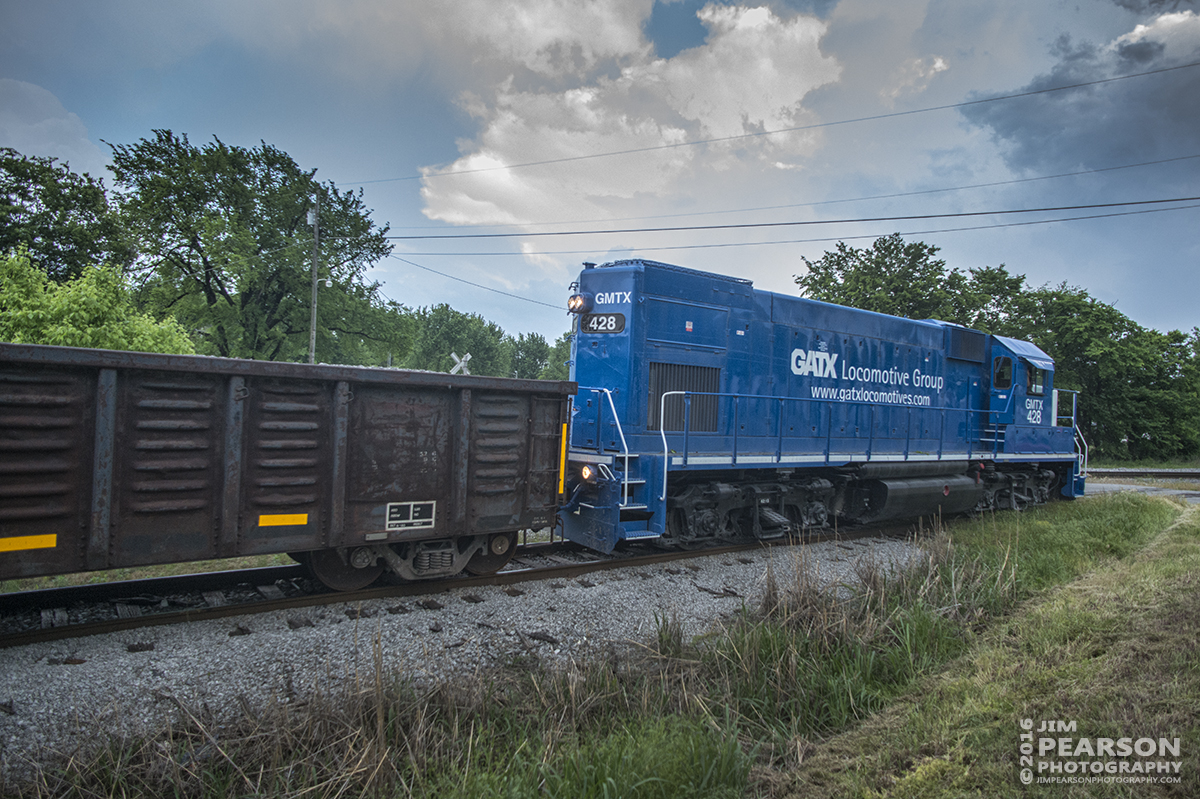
758 134
921 232
794 223
512 253
766 243
843 200
477 285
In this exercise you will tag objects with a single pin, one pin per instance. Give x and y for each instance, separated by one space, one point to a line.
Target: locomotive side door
1000 398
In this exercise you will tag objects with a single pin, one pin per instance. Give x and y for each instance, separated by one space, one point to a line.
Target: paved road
1154 491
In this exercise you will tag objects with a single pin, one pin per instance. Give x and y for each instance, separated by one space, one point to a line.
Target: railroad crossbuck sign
460 364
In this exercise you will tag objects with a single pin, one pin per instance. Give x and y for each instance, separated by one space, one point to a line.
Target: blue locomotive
708 410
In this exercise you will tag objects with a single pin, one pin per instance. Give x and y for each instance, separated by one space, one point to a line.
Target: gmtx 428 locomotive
708 410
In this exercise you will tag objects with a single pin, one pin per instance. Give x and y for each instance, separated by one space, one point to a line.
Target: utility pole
314 218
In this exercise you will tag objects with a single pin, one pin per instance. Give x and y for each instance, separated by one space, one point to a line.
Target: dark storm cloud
1156 6
1126 121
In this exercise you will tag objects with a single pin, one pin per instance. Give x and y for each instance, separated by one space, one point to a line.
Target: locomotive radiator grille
667 377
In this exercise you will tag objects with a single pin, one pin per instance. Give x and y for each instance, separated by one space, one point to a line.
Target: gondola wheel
328 567
500 550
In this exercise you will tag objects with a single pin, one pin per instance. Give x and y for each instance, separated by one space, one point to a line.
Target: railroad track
1181 474
35 616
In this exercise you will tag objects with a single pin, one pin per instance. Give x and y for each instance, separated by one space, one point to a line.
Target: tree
92 310
892 277
904 279
225 246
441 330
530 354
62 219
558 362
997 302
1139 390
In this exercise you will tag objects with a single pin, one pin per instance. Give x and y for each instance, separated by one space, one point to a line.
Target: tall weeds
814 658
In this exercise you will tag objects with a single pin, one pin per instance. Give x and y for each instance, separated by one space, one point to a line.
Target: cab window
1002 373
1036 380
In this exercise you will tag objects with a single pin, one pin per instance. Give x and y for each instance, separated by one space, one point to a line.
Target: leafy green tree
558 365
892 277
530 355
441 330
997 302
226 247
904 279
62 219
92 310
1139 390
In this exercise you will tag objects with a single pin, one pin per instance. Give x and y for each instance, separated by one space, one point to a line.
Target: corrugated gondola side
111 459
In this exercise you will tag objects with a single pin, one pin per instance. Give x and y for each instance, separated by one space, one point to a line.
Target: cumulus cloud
451 41
750 75
34 122
1138 119
913 77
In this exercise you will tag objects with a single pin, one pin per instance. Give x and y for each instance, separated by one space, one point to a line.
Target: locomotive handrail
1081 444
662 429
624 446
687 395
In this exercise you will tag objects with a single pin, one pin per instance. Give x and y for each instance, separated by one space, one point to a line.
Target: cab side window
1002 373
1037 380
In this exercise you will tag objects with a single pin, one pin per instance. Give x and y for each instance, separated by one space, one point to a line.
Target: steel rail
1183 474
42 598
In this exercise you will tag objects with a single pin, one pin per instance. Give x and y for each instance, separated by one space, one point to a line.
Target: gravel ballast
59 695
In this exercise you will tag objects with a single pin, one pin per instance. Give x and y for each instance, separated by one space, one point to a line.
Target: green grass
1115 651
912 685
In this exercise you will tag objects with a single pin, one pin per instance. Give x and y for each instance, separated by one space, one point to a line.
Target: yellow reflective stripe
562 464
21 542
282 519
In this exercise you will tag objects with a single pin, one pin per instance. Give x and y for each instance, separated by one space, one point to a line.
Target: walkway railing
831 404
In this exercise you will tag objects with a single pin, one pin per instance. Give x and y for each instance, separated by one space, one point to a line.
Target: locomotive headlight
588 473
580 303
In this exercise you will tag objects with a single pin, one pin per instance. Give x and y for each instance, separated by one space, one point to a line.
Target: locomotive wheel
329 568
500 550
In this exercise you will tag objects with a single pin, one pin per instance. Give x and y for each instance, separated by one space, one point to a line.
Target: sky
796 121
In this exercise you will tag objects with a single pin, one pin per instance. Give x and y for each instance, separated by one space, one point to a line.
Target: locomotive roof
1022 349
1027 350
642 262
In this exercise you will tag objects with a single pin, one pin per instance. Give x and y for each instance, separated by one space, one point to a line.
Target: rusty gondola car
111 459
